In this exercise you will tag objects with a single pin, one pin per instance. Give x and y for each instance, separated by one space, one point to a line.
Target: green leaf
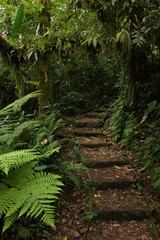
16 105
113 2
40 168
79 4
17 23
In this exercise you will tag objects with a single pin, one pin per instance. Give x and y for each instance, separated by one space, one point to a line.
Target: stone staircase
114 198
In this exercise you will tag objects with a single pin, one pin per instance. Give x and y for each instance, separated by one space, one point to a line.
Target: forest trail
114 198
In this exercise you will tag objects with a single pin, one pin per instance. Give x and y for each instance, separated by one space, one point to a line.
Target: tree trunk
45 81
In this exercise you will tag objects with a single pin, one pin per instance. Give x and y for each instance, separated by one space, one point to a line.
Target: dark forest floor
115 203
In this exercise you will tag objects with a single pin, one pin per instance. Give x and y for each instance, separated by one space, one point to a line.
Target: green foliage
32 196
123 38
17 105
140 135
69 171
16 159
156 178
17 23
26 191
130 131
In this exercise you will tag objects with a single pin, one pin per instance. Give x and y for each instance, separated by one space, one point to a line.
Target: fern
19 175
69 170
34 198
25 126
17 105
22 191
156 178
124 39
16 159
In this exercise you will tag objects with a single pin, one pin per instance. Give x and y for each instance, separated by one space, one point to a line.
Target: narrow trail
121 210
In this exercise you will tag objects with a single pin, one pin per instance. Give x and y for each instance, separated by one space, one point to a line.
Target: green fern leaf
50 152
17 177
9 221
25 126
74 179
16 159
34 199
16 106
76 167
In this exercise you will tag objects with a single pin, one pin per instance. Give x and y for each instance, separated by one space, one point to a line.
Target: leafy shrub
140 134
25 191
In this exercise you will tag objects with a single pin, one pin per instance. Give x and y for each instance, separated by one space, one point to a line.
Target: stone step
112 177
95 115
88 132
118 230
103 157
84 122
92 142
101 110
89 124
119 204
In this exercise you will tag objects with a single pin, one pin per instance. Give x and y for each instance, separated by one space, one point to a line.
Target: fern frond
5 199
52 123
124 39
69 171
42 133
53 145
73 178
9 221
4 138
25 126
76 167
34 199
50 152
17 177
16 106
16 159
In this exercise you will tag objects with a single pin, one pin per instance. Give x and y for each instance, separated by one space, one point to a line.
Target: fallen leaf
142 169
63 220
116 176
117 167
83 230
125 168
144 237
76 234
97 195
44 141
139 193
116 225
65 238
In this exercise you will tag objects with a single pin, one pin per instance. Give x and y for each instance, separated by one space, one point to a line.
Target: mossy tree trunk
44 73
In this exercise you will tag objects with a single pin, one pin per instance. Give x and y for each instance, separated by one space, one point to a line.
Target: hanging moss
11 61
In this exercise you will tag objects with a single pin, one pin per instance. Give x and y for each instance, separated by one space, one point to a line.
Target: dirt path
114 200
